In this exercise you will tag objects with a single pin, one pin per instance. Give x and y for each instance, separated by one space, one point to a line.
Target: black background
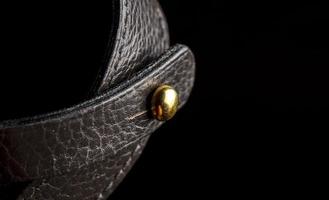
256 123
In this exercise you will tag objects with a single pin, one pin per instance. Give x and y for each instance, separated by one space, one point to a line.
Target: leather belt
84 152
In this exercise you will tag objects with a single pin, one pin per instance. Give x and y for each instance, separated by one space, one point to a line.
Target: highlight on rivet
165 102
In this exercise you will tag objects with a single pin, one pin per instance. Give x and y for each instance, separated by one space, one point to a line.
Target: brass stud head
165 102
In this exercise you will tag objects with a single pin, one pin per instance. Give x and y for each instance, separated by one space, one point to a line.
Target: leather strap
97 131
57 143
84 152
140 35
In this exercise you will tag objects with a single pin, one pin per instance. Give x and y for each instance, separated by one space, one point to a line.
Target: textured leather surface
85 151
141 35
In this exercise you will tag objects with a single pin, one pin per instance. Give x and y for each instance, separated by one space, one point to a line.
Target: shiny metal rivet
165 102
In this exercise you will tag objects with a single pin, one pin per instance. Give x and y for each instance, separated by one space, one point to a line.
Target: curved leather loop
84 152
64 142
57 143
140 35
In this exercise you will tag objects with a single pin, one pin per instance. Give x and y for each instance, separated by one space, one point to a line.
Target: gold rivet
164 103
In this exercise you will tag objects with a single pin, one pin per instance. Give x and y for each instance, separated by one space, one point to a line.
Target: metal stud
165 102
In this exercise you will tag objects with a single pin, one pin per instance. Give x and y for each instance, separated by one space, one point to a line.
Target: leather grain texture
85 151
141 35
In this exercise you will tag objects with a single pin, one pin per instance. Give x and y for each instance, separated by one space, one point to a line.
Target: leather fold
105 131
